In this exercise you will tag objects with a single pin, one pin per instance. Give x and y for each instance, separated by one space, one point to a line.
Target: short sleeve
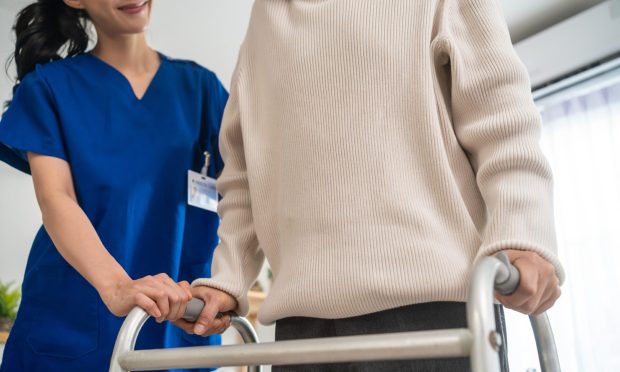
216 99
31 124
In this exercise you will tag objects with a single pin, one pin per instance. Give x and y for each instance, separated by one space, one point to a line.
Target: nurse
109 137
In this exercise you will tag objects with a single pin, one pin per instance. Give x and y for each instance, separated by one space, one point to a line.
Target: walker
480 341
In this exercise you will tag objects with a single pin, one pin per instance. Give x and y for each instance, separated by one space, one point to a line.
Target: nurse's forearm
70 229
77 241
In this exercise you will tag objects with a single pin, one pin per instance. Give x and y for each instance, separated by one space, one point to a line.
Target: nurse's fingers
183 287
159 293
184 325
162 297
187 288
176 298
147 304
187 296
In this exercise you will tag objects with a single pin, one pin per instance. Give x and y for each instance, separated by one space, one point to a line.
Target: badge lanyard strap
207 162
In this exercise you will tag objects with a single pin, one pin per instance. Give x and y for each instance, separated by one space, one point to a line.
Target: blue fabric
129 159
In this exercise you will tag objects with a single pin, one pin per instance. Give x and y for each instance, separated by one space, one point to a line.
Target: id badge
201 191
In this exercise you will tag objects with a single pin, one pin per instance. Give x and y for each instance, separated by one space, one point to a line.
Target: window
581 138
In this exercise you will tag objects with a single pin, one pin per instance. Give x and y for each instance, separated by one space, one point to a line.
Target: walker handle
243 326
193 309
506 282
508 277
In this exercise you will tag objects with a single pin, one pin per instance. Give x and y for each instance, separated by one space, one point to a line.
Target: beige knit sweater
374 150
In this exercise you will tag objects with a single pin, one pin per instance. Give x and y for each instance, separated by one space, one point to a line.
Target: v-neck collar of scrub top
129 88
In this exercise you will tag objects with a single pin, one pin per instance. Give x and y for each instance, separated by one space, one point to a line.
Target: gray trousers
419 317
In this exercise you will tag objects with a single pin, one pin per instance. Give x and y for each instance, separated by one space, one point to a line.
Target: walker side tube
545 343
128 334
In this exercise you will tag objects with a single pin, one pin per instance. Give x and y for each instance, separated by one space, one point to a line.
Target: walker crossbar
410 345
479 341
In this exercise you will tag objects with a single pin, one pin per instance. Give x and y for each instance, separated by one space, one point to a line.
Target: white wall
209 32
19 215
527 17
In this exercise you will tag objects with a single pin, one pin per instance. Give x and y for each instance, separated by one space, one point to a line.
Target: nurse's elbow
50 203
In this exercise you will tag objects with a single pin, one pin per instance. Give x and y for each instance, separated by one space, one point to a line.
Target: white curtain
581 137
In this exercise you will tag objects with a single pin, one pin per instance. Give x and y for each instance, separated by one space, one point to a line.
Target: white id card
201 191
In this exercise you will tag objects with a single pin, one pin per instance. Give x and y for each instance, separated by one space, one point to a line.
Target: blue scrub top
129 159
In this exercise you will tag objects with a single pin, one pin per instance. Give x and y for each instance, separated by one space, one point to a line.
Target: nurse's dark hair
45 31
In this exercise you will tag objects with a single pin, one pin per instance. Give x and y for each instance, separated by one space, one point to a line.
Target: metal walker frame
479 341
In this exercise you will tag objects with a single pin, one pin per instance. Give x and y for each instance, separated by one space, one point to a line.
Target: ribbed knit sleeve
498 125
237 260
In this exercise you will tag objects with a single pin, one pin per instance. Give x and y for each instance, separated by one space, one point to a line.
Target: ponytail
43 31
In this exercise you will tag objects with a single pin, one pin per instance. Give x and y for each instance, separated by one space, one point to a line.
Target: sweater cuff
548 255
243 305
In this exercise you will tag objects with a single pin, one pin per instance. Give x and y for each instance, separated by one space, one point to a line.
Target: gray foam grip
193 309
506 286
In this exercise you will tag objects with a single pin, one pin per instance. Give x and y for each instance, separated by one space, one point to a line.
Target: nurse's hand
159 295
209 322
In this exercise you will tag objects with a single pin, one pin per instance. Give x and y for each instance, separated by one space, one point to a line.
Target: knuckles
529 288
175 299
160 294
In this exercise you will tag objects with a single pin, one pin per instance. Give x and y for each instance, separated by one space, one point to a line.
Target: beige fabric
375 149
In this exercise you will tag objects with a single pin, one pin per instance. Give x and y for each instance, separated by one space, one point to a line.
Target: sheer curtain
581 137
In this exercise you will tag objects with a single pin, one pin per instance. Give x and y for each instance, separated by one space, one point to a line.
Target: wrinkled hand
159 295
210 320
538 288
